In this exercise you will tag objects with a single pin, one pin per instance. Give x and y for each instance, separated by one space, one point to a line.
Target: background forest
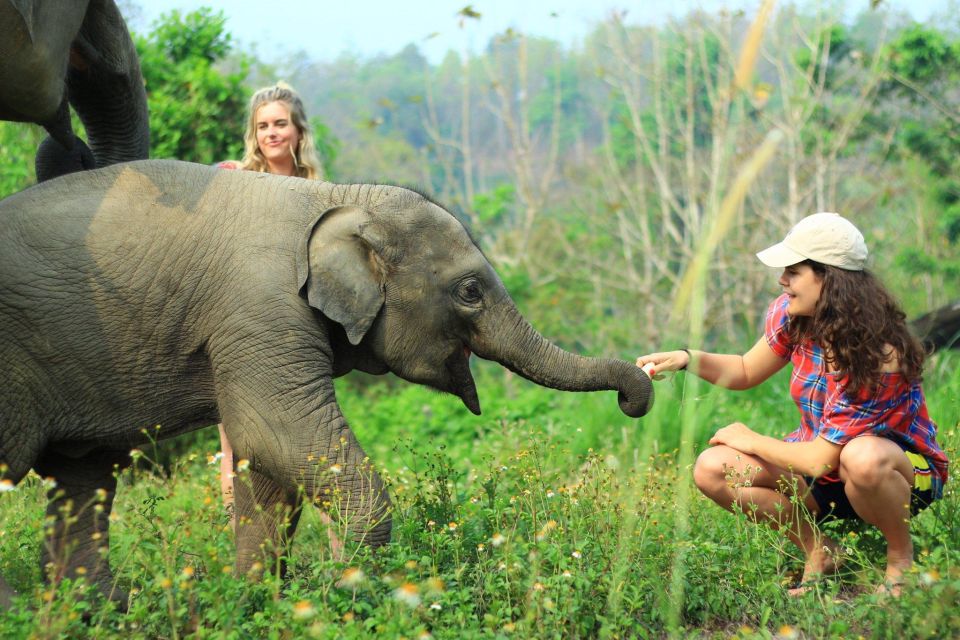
620 188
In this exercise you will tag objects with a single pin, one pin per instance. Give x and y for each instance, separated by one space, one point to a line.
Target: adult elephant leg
266 519
79 508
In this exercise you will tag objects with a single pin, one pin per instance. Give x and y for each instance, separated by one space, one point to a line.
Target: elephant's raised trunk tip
636 392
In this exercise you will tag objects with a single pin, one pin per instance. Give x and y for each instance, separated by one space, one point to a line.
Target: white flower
497 539
576 554
6 485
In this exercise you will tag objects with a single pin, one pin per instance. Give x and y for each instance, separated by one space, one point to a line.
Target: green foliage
197 112
18 146
551 517
921 54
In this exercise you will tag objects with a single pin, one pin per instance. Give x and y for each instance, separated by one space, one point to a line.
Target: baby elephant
173 294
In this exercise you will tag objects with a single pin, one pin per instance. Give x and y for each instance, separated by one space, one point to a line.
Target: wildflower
548 526
452 526
538 586
49 483
166 583
436 606
408 593
348 616
101 495
786 632
187 573
243 465
434 584
550 494
929 577
497 539
576 554
509 627
215 458
6 485
136 454
303 609
351 577
410 564
431 524
567 574
336 469
481 547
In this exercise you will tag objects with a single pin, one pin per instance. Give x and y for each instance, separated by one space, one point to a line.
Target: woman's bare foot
824 560
892 583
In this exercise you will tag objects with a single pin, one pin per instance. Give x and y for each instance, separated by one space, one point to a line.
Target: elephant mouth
461 380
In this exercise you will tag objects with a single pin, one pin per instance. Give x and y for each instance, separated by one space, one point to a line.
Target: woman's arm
813 458
726 370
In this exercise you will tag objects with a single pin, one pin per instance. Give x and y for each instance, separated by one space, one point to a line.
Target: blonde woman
278 140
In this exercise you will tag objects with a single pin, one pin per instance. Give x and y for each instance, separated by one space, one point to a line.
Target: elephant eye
469 291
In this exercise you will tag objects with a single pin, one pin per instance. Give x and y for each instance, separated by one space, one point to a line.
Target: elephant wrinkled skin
55 53
173 294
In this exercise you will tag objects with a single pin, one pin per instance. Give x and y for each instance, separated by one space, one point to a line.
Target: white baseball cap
827 238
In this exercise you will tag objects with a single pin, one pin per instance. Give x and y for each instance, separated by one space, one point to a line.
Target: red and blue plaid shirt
895 409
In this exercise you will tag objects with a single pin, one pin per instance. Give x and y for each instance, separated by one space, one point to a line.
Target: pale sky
325 29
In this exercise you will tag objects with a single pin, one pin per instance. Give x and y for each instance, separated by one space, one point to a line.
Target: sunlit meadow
550 516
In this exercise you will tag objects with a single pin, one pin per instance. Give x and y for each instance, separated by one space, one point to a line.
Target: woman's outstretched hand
665 361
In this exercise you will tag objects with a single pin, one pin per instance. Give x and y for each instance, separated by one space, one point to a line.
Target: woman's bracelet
689 358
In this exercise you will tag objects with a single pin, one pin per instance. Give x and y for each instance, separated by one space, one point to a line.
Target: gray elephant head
55 54
406 281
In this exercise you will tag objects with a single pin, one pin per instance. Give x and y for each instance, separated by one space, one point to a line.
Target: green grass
551 516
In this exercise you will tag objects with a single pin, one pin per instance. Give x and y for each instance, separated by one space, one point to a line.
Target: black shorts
833 503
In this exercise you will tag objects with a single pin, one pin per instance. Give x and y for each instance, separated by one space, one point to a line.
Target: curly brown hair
857 322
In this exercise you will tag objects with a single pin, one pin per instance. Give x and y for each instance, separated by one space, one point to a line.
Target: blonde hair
306 161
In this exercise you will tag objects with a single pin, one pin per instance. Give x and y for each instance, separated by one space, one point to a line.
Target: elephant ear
340 266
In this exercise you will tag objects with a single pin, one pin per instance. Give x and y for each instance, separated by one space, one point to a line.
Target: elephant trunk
505 336
105 86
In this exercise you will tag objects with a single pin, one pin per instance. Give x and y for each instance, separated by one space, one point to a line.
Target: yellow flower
243 465
303 609
351 577
408 593
497 539
786 632
434 585
336 469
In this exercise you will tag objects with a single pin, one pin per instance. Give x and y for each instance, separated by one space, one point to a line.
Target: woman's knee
869 460
711 469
